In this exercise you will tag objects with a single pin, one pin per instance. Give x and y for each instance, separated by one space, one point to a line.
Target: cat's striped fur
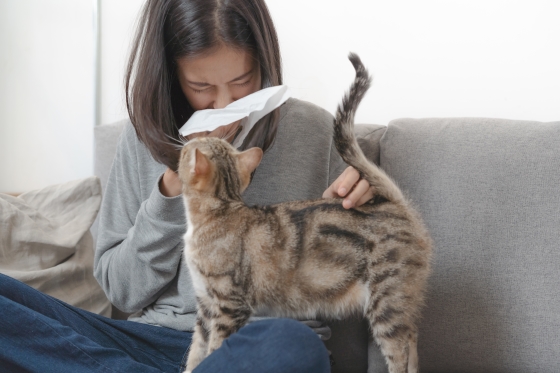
305 258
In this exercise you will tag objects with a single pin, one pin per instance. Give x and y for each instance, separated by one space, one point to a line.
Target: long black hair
171 29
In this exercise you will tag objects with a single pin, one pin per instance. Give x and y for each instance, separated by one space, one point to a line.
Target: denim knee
299 343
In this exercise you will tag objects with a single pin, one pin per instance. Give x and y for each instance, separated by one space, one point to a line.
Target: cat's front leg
199 345
228 318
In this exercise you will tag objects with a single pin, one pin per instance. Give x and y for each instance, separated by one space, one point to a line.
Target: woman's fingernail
342 191
348 203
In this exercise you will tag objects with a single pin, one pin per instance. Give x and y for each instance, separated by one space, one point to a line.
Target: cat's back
295 223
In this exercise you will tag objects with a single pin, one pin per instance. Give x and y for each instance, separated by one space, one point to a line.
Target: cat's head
212 166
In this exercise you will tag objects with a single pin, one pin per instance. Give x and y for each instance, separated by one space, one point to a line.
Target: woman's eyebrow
242 76
202 84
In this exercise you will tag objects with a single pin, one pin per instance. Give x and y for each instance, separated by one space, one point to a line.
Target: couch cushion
368 136
45 242
489 192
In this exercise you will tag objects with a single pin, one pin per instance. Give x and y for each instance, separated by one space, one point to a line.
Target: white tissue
250 108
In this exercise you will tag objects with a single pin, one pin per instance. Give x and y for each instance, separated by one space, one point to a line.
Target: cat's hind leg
392 322
398 345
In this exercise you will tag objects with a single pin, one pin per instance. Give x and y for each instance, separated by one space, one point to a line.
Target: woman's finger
332 190
348 179
366 197
361 189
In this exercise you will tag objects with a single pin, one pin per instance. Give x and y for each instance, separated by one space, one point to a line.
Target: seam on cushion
375 130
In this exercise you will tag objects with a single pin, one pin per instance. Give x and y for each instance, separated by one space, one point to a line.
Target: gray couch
489 192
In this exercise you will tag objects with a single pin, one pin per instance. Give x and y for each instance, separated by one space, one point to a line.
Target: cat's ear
201 164
250 159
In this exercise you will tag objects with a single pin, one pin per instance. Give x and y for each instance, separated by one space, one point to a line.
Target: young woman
188 55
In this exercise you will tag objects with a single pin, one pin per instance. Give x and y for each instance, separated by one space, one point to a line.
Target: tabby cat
306 258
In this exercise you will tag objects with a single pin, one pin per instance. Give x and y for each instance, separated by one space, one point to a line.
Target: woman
188 55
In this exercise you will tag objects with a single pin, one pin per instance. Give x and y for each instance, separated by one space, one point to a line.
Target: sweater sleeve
139 242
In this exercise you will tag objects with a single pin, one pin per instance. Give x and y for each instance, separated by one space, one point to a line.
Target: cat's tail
345 140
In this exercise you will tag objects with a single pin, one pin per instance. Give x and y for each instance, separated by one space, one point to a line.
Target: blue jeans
39 333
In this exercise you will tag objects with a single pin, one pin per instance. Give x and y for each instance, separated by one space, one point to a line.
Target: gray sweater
138 258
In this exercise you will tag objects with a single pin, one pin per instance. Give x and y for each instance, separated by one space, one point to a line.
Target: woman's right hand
170 184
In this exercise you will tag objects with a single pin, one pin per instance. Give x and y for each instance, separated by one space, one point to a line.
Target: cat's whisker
183 139
171 138
229 133
177 144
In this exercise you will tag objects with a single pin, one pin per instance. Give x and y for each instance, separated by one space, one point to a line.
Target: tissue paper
250 109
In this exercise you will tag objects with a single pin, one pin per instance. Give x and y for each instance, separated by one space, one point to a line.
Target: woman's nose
223 99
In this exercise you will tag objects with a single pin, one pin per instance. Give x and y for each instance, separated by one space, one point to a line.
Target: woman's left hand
349 186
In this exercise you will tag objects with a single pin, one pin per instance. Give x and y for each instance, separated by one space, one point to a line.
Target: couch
489 193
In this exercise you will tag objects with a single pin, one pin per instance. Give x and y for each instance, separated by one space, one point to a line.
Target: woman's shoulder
129 145
129 132
299 118
299 112
304 124
128 138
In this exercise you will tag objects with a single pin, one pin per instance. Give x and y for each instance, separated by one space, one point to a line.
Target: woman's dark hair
172 29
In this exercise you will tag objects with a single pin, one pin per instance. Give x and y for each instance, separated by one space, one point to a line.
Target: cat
303 258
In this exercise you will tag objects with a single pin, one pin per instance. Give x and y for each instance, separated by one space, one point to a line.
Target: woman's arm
139 243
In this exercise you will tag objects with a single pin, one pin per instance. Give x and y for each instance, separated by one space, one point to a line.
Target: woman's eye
199 90
244 84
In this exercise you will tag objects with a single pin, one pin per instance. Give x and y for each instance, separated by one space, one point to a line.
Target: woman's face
215 80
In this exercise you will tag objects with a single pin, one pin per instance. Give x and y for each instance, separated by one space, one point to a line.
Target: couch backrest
106 139
489 192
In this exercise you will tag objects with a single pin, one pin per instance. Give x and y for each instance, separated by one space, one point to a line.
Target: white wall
430 58
118 21
46 92
492 58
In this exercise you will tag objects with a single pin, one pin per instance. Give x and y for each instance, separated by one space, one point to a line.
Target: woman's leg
270 346
41 333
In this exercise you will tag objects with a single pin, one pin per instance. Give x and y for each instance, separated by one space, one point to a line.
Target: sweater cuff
169 209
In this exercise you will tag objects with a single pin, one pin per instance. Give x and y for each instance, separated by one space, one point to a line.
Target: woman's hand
349 186
170 184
